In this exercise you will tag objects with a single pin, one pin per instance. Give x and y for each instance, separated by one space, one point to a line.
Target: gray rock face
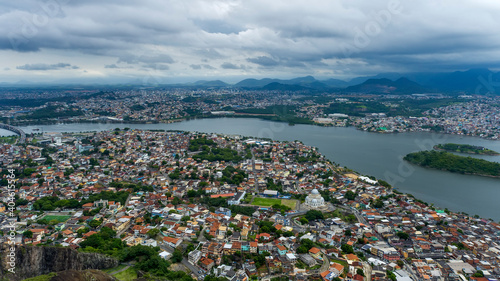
34 261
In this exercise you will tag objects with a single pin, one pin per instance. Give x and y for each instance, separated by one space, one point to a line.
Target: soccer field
58 218
268 202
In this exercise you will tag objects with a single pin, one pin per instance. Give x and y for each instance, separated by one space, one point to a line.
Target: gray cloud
43 66
228 65
156 66
263 61
285 38
200 66
207 66
134 59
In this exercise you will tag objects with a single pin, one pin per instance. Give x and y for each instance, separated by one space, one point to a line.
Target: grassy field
268 202
8 139
58 218
289 203
128 275
265 202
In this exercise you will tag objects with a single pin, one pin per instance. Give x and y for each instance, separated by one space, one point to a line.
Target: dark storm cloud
43 66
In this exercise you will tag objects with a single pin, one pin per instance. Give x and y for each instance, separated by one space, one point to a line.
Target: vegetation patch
454 163
289 203
465 148
9 139
127 275
45 277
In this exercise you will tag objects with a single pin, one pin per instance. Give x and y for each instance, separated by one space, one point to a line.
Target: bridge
13 129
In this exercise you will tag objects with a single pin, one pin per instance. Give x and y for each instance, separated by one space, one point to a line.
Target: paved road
201 237
324 267
130 224
410 271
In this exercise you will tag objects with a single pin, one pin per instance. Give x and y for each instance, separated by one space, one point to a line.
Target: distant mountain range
386 86
472 81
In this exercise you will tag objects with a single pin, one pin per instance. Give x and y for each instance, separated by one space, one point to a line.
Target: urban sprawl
240 208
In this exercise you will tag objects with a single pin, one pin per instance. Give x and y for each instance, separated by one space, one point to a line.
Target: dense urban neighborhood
182 206
451 114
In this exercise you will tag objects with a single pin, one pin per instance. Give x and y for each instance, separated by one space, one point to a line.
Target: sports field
268 202
58 218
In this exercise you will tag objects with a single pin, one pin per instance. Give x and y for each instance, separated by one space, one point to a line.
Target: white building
315 200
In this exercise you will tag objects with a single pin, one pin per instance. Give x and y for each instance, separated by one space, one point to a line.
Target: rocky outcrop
33 261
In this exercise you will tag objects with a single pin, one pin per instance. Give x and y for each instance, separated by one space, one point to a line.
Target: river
379 155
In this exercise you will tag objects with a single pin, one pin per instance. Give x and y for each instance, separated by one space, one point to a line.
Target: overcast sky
157 41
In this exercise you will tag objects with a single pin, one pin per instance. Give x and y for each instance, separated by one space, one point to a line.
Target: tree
347 249
176 201
153 232
190 247
478 273
303 221
177 256
391 275
350 195
403 235
378 204
359 271
28 234
314 215
95 223
302 250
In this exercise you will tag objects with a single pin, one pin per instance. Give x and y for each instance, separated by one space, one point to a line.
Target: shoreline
261 117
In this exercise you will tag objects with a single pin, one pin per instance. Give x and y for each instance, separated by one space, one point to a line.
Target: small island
454 163
465 148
